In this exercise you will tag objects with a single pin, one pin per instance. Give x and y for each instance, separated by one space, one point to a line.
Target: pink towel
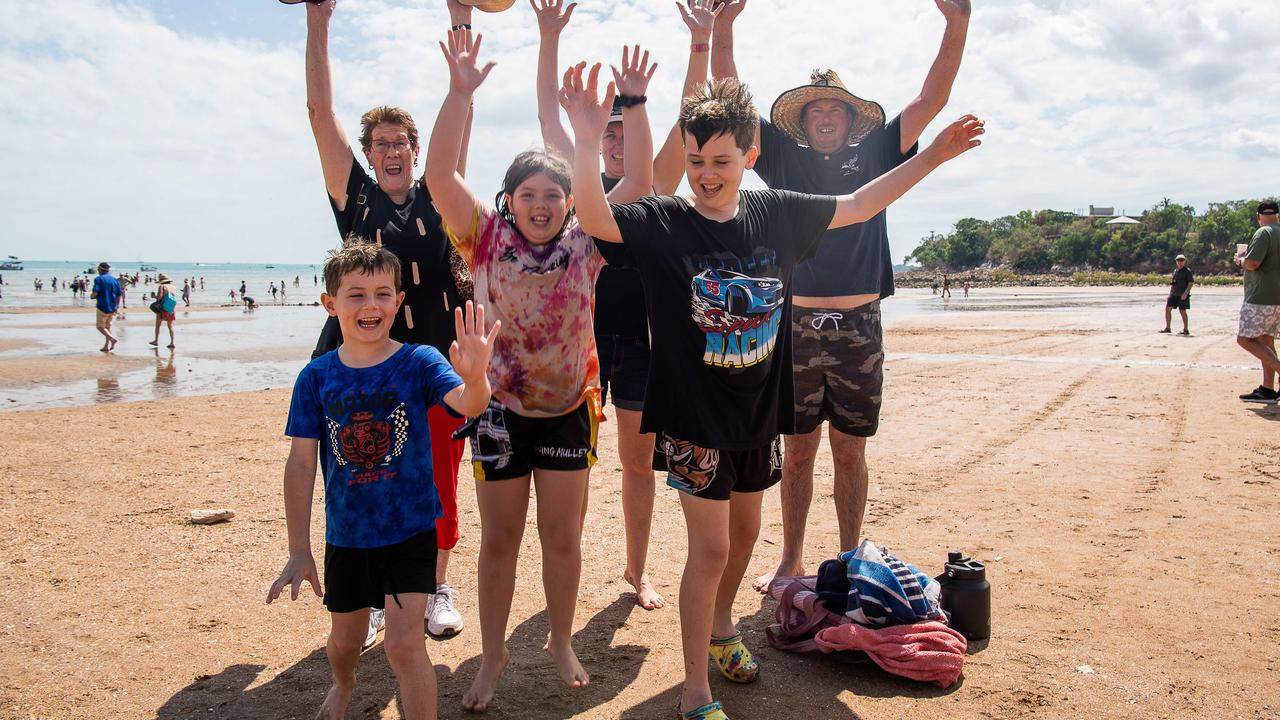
928 651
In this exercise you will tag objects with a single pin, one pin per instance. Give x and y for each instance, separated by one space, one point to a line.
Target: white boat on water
13 263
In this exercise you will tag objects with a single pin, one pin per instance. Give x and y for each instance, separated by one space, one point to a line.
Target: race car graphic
737 293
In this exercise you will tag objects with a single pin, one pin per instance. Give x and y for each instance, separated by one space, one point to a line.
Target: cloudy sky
176 130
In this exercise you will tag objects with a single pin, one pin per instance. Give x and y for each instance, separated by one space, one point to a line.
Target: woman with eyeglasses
379 196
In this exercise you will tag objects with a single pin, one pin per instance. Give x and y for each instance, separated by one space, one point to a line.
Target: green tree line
1038 241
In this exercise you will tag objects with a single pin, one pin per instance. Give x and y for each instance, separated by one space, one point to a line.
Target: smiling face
611 150
826 124
365 305
392 155
539 205
715 171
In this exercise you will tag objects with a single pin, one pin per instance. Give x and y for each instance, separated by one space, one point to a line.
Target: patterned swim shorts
1259 320
838 364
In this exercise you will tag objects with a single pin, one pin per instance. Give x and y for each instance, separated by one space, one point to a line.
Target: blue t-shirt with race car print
375 448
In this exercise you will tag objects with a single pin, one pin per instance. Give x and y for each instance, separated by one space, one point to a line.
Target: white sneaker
377 620
443 620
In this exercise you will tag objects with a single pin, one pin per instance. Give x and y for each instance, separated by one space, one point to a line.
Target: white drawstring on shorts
819 318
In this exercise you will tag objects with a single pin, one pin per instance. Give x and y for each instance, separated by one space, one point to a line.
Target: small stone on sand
209 517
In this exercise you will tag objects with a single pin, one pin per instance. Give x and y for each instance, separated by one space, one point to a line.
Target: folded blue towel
884 590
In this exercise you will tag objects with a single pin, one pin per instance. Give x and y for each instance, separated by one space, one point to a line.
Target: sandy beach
1124 500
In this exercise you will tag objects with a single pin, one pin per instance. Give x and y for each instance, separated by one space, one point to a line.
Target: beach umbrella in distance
1124 220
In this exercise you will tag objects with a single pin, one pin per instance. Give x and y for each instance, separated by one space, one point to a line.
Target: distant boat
13 263
271 267
147 268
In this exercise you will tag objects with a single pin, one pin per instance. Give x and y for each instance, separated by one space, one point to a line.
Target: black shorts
838 368
1176 302
505 445
624 368
714 474
356 578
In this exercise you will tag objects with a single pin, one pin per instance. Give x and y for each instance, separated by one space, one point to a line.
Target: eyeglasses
386 147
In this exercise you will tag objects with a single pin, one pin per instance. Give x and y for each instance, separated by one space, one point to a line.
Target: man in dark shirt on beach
823 139
1179 295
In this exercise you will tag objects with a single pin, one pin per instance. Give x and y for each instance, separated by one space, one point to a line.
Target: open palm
462 53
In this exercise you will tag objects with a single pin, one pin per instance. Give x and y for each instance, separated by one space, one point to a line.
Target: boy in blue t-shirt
363 409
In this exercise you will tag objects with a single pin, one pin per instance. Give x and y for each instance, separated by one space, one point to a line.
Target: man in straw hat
823 139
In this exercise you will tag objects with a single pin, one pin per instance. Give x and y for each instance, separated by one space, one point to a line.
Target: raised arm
553 15
942 74
959 137
637 140
331 141
668 166
722 62
455 201
589 117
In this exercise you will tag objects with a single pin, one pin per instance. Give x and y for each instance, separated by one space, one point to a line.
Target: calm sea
219 280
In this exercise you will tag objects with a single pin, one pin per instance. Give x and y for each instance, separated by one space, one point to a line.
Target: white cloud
125 138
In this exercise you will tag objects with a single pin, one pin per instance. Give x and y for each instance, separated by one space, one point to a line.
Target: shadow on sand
792 685
298 691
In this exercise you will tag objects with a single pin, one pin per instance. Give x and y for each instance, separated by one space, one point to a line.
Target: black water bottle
966 595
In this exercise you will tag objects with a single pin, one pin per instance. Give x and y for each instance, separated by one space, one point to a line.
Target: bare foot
480 694
784 569
335 703
566 661
104 349
646 596
153 342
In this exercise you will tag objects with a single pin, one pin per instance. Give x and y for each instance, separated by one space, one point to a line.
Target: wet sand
1123 498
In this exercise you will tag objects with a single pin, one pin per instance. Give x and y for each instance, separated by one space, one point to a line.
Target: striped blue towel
884 590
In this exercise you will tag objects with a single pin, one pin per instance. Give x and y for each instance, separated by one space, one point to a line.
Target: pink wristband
700 47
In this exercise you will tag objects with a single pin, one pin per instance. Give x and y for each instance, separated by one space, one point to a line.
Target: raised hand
580 100
729 10
636 72
300 567
958 138
322 9
461 53
553 15
700 18
470 353
954 9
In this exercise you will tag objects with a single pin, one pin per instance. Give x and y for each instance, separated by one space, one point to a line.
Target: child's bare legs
560 532
503 506
407 652
345 636
744 528
707 523
635 450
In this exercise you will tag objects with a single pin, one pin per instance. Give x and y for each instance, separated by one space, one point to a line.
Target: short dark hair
362 256
1268 207
720 107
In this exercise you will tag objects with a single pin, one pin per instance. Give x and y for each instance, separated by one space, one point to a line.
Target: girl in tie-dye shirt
534 270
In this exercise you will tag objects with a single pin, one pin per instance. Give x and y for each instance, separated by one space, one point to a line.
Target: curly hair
720 107
387 114
358 255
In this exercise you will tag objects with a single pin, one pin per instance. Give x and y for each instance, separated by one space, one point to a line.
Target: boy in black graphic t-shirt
717 267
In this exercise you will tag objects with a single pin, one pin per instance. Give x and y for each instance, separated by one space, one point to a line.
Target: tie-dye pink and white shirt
544 360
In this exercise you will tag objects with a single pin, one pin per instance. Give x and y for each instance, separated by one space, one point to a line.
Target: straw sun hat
824 85
163 279
489 5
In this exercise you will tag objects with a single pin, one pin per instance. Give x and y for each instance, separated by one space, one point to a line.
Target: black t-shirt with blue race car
718 296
